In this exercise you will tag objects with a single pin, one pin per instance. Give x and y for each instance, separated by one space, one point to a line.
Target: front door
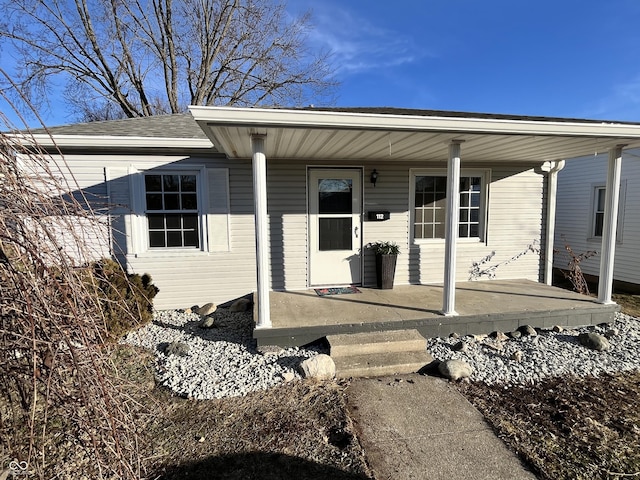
335 226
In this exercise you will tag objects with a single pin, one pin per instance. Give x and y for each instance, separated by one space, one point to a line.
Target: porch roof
385 133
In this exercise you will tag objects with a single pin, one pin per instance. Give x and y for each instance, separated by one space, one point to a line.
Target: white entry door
335 226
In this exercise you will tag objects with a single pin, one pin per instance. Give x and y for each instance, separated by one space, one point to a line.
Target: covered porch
300 317
368 138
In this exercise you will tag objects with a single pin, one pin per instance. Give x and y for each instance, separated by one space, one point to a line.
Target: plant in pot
386 258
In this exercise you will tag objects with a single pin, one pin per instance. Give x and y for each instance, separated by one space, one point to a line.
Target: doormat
335 290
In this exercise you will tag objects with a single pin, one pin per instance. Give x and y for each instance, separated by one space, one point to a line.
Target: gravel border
223 361
215 362
544 355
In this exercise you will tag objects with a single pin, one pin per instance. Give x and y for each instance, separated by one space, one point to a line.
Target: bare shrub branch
574 272
56 382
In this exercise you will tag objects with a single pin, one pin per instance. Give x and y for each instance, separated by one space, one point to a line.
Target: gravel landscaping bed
216 362
222 361
531 358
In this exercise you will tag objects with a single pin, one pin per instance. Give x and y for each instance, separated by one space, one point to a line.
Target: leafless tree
144 57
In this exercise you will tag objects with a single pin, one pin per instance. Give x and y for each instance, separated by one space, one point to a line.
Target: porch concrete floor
299 317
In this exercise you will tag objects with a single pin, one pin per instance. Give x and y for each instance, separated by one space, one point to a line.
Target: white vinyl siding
225 271
577 183
514 221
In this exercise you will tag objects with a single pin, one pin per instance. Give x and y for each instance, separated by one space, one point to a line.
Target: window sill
438 241
169 253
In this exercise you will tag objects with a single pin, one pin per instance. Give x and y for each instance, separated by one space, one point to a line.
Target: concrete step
379 364
374 354
376 342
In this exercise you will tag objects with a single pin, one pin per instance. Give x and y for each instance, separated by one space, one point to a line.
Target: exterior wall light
374 177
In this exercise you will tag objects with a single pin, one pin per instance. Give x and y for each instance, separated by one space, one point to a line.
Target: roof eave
117 142
261 117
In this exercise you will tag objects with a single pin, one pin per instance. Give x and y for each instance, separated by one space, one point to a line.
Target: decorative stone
206 309
611 333
459 347
270 349
180 349
594 341
527 330
207 322
517 356
557 329
320 367
455 369
240 305
454 335
498 335
288 376
515 334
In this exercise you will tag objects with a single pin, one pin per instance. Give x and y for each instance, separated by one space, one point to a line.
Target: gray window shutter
120 207
218 209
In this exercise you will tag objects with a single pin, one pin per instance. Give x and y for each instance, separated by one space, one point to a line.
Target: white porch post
608 249
451 229
552 190
259 162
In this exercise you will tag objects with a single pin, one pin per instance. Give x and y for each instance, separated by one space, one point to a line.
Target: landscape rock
557 329
455 369
288 376
527 330
594 341
517 356
320 367
498 335
459 347
611 333
240 305
206 309
180 349
207 322
515 334
454 335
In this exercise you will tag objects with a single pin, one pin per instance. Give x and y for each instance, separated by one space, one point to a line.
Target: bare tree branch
143 57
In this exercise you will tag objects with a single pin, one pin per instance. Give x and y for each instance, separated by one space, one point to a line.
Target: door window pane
335 234
335 195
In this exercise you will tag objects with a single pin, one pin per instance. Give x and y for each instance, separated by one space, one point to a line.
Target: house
450 188
580 215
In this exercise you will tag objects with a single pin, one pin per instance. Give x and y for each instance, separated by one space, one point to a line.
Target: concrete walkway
420 427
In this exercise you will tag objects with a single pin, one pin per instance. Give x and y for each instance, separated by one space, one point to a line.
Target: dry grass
297 430
568 428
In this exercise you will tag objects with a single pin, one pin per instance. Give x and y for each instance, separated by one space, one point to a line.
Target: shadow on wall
256 465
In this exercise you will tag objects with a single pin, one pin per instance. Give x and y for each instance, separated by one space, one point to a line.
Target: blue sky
566 58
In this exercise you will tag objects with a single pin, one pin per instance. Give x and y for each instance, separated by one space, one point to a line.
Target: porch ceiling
321 135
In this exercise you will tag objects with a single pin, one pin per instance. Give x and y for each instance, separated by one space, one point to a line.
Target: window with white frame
598 211
430 203
172 209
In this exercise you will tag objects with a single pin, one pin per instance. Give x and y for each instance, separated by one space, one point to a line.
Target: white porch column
259 162
608 249
451 229
552 190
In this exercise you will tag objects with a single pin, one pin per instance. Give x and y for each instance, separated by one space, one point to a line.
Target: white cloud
621 103
357 44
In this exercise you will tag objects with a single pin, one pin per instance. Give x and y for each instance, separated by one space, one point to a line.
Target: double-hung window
173 209
597 211
430 205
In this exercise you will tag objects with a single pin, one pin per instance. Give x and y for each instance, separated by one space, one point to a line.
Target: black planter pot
385 270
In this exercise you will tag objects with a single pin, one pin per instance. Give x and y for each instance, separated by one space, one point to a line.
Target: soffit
321 136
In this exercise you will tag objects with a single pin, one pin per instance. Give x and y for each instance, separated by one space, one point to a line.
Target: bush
126 299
